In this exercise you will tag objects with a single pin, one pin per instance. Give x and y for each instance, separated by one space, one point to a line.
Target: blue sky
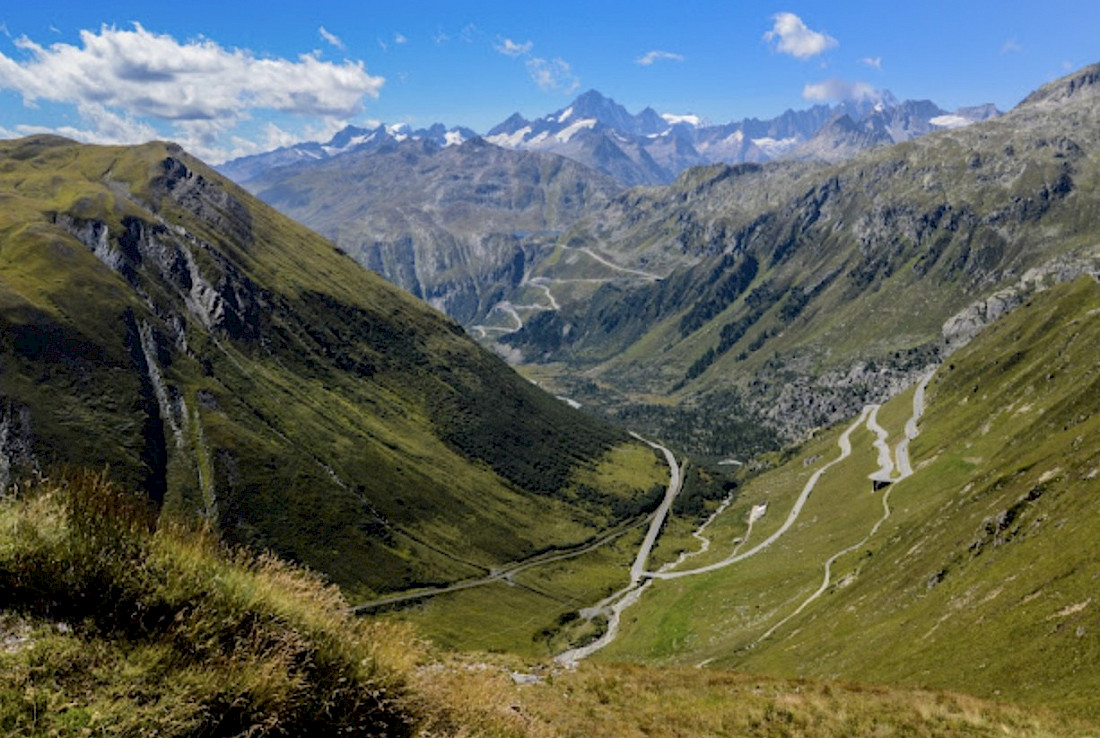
239 76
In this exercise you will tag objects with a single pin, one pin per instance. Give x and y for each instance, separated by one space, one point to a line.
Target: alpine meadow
604 421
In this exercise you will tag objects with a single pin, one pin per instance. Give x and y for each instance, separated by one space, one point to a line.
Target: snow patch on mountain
510 140
691 120
774 147
573 129
950 121
351 143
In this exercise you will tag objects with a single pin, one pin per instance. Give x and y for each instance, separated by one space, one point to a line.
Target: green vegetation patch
110 627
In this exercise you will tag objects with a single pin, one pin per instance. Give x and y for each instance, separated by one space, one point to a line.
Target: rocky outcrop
960 328
225 300
1083 82
16 444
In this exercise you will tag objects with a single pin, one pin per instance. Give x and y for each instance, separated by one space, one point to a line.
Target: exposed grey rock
16 443
960 328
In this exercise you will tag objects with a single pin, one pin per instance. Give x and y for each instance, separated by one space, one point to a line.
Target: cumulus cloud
651 56
838 89
553 75
872 62
133 85
508 47
106 127
331 38
791 36
400 38
149 74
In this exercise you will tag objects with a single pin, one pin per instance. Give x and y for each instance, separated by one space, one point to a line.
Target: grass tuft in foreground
111 627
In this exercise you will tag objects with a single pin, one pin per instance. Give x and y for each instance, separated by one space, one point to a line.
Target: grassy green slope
160 321
108 628
983 578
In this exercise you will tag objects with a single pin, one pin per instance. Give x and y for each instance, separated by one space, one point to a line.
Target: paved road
904 467
845 444
612 607
911 432
675 482
885 471
613 265
497 576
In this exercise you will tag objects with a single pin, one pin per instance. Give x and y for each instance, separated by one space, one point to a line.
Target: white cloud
129 86
147 74
508 47
554 75
651 56
400 38
105 127
838 89
872 62
1011 46
792 36
330 38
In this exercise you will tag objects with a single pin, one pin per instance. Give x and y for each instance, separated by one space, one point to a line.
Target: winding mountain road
641 579
905 470
845 444
504 574
613 265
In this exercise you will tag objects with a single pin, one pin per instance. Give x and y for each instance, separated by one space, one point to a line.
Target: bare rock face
223 298
960 328
1085 82
16 443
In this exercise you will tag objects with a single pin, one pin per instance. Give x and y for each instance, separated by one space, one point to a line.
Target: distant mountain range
804 290
650 147
458 219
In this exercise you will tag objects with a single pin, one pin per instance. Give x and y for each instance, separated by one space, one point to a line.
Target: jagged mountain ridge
597 131
159 322
347 140
395 209
643 148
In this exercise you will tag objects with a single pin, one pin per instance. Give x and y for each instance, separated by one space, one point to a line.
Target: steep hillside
457 225
978 572
159 322
802 291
